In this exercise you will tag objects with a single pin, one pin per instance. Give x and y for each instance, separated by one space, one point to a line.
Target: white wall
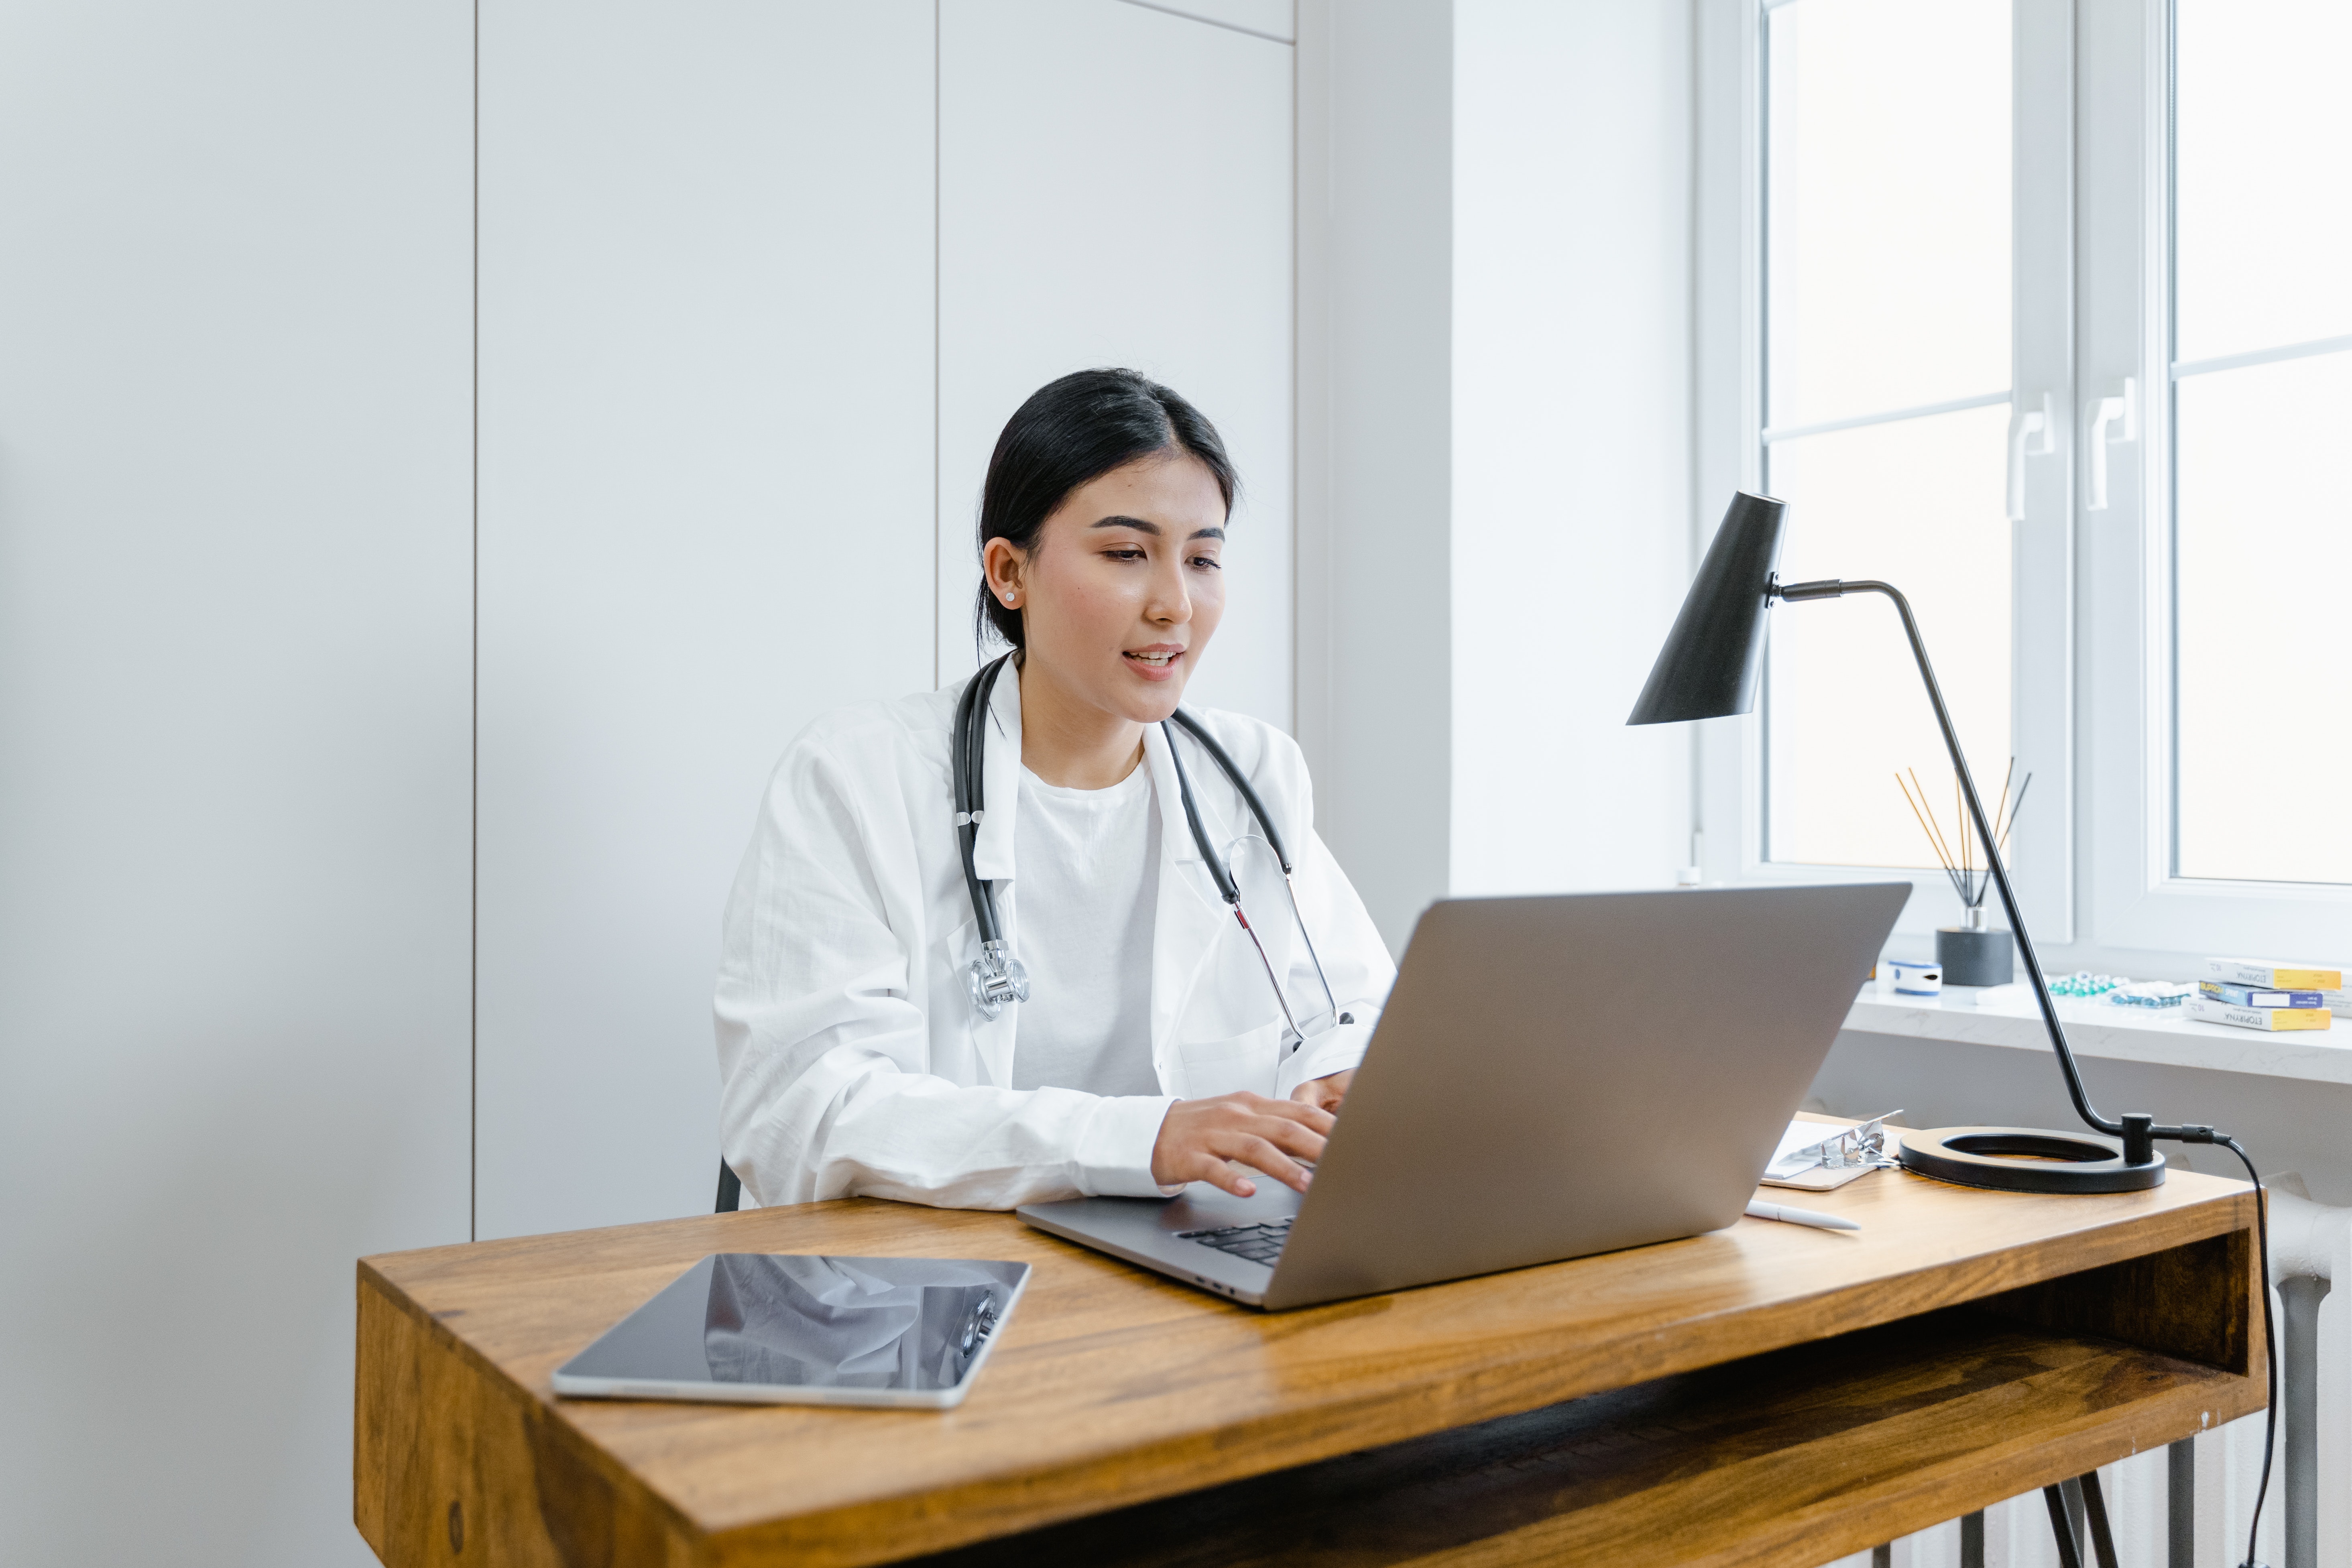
235 660
1571 451
1494 440
1115 189
1375 429
706 494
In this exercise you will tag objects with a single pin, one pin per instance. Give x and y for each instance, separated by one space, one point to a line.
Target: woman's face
1123 588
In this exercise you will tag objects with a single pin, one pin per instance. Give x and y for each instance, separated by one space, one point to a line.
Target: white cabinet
1115 189
706 517
716 362
235 650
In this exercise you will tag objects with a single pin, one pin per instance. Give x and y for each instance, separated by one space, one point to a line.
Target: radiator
2307 1524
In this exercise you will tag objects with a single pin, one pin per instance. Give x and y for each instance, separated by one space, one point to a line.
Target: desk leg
2062 1525
2094 1507
1972 1540
2181 1504
1882 1556
2071 1490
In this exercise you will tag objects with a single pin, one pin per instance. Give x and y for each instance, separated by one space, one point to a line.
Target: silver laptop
1552 1077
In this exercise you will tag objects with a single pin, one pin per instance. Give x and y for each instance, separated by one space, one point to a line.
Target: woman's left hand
1325 1093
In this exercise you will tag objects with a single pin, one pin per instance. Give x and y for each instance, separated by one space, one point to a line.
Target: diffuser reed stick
1970 880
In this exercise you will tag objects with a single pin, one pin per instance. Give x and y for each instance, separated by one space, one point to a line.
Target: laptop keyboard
1258 1243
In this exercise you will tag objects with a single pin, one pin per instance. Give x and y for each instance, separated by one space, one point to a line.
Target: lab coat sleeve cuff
1335 1049
1114 1155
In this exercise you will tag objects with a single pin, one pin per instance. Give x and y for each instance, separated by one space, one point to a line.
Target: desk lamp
1709 668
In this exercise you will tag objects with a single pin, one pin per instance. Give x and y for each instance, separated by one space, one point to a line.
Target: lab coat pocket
964 1046
1245 1061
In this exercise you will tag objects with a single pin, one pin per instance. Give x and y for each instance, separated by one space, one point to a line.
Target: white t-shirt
1086 878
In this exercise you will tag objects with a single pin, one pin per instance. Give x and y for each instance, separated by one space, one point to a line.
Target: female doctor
1132 1027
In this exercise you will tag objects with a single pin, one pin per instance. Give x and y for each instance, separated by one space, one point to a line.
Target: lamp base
2027 1160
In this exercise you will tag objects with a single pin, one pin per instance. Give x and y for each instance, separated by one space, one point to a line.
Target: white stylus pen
1758 1209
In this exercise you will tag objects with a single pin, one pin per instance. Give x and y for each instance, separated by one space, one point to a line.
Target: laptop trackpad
1203 1207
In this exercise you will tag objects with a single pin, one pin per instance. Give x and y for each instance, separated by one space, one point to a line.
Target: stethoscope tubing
1232 771
1223 875
966 753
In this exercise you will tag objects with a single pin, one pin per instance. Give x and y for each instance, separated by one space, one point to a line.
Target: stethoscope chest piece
996 978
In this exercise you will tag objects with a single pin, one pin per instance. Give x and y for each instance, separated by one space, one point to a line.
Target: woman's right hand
1197 1138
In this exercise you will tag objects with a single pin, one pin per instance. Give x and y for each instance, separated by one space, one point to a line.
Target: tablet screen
738 1323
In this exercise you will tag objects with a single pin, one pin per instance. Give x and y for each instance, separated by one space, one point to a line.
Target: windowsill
2006 1016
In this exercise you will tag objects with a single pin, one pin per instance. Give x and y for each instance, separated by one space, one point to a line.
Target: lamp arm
2135 1129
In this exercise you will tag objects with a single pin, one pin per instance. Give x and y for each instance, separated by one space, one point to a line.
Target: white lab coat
851 1059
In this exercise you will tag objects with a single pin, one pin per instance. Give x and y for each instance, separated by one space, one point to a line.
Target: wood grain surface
1111 1386
1789 1457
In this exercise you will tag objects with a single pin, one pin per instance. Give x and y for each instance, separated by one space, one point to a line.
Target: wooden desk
1767 1394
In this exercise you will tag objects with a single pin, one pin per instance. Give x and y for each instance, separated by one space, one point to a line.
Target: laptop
1552 1077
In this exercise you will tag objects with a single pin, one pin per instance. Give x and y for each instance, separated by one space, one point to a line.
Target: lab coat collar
1190 917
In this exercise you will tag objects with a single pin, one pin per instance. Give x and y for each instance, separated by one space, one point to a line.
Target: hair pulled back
1072 431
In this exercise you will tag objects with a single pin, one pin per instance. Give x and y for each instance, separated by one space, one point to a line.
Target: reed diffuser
1975 952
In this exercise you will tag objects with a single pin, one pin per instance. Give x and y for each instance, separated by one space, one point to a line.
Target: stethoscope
996 978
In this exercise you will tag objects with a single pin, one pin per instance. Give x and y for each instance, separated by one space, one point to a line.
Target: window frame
2091 606
2141 903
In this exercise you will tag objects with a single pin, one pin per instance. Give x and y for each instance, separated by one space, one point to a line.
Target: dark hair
1073 431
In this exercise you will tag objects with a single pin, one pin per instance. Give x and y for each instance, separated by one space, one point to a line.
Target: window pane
1919 504
1887 206
2264 552
2263 180
2262 528
1888 287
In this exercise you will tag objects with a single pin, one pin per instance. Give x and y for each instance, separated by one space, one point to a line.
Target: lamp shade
1714 655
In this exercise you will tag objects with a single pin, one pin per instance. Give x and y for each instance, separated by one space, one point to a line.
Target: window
2262 387
1921 223
1886 330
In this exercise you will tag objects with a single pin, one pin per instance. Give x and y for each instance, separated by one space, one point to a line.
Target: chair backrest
730 1189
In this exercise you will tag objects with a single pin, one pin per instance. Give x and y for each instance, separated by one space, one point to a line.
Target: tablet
762 1327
